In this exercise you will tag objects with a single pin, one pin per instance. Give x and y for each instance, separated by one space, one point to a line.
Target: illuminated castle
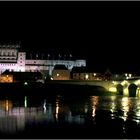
14 60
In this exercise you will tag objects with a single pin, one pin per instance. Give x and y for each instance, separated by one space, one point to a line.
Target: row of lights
128 75
87 76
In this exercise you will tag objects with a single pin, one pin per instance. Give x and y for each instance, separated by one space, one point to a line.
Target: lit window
130 75
94 74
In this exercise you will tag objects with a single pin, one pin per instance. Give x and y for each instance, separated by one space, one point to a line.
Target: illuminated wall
6 78
13 60
61 74
87 76
44 65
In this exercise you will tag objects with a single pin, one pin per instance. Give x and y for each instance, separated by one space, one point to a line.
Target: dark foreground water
70 117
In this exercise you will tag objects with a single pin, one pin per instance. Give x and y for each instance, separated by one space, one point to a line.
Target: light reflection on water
94 103
15 115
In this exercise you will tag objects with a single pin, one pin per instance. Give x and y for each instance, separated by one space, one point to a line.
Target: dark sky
106 34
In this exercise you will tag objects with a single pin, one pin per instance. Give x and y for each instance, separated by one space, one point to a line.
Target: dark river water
70 117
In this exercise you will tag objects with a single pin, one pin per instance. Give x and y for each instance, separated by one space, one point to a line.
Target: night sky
106 34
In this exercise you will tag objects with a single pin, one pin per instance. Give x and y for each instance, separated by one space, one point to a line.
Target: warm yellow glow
137 82
125 91
114 82
57 111
6 78
93 112
57 74
124 83
125 107
86 76
51 78
7 105
94 74
130 75
113 106
124 101
95 100
112 89
138 92
138 113
57 108
113 98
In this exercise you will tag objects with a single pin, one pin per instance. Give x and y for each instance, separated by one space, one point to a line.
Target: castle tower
8 57
8 53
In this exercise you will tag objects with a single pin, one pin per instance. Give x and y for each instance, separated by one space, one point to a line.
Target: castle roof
60 67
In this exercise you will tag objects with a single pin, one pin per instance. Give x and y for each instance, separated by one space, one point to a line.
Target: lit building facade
60 72
14 60
87 76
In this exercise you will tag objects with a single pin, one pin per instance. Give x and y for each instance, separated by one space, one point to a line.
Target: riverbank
39 89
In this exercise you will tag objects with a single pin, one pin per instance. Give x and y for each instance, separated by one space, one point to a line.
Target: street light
86 76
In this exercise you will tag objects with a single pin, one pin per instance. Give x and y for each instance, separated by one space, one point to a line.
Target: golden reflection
137 82
138 92
113 89
113 98
93 112
57 111
112 105
138 115
137 111
124 83
125 107
126 91
6 105
95 100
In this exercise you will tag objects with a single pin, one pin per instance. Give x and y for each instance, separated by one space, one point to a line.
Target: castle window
13 54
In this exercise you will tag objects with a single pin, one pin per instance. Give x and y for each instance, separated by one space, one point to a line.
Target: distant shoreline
50 88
